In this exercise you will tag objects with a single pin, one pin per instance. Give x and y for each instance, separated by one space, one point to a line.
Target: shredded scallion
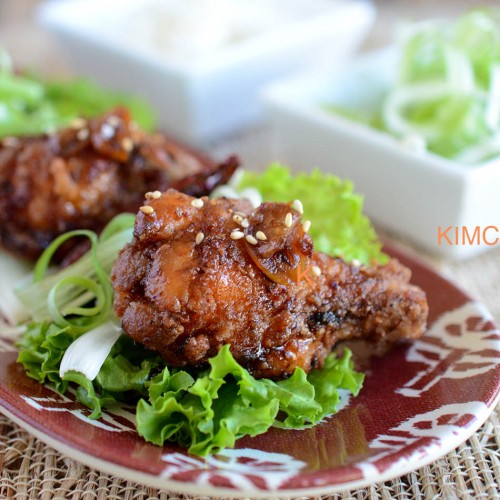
60 296
447 91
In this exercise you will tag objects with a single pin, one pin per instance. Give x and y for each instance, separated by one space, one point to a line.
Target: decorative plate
418 402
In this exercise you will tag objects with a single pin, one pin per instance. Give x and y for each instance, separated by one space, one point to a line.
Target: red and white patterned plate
418 402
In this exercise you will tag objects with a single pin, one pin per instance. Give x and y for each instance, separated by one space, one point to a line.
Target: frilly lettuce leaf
202 411
338 227
122 377
225 402
41 349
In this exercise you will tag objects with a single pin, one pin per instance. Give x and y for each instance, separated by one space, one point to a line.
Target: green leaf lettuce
225 402
339 227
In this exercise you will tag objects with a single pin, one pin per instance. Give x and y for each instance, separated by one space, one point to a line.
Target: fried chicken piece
87 173
195 278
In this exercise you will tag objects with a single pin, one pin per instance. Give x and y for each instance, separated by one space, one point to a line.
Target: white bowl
198 100
418 195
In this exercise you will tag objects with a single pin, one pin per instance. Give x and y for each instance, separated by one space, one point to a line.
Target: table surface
29 469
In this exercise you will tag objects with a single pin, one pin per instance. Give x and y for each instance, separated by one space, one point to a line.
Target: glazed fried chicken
202 273
87 173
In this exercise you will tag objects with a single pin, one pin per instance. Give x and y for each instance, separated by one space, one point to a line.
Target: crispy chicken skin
193 279
85 174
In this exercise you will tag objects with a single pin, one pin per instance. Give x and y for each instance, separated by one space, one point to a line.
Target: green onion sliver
100 288
99 312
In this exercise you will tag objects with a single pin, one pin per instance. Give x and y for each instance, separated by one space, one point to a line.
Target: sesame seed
127 144
83 134
261 236
241 214
316 271
78 123
356 263
298 207
251 239
288 220
107 131
237 218
197 203
146 209
306 226
153 195
199 238
114 121
237 235
245 223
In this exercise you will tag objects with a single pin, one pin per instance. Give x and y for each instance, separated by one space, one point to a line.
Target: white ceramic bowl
201 99
447 208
